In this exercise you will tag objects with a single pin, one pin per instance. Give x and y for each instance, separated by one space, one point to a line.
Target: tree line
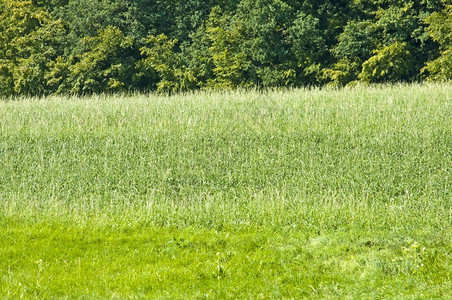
98 46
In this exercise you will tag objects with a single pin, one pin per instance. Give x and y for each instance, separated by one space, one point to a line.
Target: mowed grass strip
58 260
311 193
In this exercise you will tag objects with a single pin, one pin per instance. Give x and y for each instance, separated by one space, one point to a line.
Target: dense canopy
94 46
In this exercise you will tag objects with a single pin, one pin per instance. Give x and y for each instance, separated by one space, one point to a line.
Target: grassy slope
301 193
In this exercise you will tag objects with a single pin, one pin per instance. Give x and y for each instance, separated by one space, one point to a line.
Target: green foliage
57 76
390 63
354 46
308 46
60 46
374 37
197 56
29 40
263 25
440 29
230 63
343 72
159 57
104 65
84 18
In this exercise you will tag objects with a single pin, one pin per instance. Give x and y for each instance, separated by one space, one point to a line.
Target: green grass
285 194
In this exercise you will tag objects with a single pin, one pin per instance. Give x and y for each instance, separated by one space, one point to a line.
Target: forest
84 47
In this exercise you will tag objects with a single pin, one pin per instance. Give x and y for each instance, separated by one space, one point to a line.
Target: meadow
302 193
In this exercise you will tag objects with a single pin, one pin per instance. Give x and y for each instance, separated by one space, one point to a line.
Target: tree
390 64
355 45
106 65
385 40
197 57
440 29
264 25
230 63
29 40
308 47
160 58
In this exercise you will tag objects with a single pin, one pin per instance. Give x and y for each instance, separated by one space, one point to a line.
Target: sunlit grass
283 194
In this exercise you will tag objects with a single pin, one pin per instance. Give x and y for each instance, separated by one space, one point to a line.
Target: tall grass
323 158
314 163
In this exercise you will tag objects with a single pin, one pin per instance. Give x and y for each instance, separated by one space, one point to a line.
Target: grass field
285 194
